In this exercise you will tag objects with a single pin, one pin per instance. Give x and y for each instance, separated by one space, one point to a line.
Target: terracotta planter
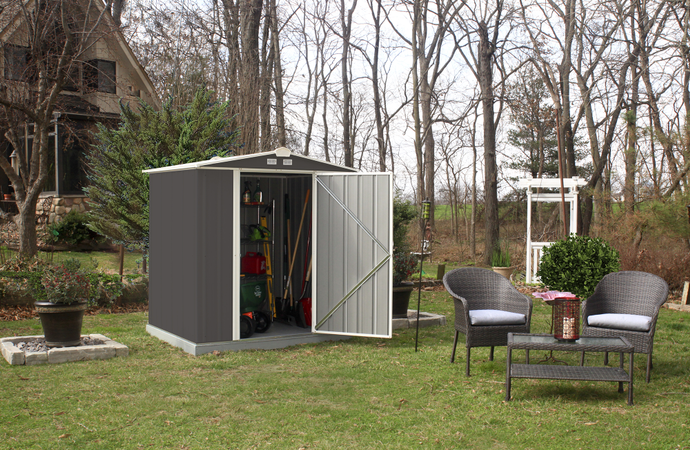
401 299
61 322
505 271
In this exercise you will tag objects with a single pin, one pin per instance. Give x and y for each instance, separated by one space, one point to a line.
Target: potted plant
500 260
404 263
66 290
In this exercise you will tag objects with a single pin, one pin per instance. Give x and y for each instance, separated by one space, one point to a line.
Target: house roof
10 15
280 159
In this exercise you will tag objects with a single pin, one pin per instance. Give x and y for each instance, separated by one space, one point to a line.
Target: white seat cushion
496 317
630 322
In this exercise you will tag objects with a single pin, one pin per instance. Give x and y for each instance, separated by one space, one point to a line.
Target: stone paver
425 320
15 356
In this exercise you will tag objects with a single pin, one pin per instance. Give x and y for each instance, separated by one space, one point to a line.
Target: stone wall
53 209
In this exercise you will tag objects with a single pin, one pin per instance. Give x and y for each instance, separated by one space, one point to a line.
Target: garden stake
426 213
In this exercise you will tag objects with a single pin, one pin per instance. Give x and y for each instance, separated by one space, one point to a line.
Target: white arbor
570 185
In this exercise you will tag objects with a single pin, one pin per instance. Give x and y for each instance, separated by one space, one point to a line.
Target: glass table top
549 339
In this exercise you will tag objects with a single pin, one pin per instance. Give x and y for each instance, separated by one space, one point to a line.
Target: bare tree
277 76
345 33
250 73
430 29
181 51
312 38
482 45
45 53
584 35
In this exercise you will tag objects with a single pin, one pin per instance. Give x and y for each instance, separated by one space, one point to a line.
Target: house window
27 142
100 75
67 169
72 167
16 62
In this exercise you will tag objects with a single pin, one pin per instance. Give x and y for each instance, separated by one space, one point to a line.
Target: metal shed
198 236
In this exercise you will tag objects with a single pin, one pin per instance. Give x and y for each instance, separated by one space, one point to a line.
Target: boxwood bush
577 264
71 230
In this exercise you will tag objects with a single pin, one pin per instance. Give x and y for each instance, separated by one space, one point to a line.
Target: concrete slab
279 336
425 320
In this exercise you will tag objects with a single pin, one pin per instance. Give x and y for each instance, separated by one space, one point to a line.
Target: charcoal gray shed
330 239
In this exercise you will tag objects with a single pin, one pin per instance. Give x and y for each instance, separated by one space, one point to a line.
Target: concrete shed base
278 336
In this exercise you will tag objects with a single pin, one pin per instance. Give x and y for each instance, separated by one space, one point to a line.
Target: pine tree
535 126
147 139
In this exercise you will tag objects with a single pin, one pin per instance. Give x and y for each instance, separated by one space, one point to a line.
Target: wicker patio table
524 341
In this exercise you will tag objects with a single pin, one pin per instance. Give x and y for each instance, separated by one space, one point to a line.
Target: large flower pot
505 271
401 299
61 322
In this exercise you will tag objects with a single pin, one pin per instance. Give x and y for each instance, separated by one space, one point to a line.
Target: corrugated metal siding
347 253
215 242
173 293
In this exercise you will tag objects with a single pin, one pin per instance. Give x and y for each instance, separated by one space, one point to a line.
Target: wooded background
457 98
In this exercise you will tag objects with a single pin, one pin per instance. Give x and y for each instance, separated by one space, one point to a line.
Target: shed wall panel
214 271
173 293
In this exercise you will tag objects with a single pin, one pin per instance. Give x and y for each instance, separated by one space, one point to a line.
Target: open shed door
353 248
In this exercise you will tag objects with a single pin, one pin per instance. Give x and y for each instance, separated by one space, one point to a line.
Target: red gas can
254 263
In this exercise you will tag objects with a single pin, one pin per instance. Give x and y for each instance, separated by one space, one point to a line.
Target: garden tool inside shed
259 232
269 272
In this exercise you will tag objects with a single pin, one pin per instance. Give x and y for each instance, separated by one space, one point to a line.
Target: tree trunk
250 74
346 24
485 75
473 211
278 78
324 119
380 131
26 227
416 23
231 17
267 64
631 153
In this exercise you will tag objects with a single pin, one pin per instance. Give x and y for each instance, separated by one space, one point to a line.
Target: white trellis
570 185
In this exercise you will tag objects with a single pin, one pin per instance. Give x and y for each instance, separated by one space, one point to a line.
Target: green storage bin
252 295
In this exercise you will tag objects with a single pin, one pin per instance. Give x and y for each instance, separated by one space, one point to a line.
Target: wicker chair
625 304
487 308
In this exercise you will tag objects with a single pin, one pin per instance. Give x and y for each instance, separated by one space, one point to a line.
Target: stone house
105 74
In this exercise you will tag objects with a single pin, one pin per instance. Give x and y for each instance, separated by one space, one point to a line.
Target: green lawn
108 261
362 393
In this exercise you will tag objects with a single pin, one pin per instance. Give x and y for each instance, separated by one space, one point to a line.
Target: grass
106 260
363 393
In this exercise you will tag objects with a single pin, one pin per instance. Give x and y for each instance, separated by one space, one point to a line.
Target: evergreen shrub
72 230
577 264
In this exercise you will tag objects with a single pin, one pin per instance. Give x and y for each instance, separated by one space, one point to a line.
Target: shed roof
280 159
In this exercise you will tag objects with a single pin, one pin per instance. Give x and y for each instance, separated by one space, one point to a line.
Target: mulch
10 313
